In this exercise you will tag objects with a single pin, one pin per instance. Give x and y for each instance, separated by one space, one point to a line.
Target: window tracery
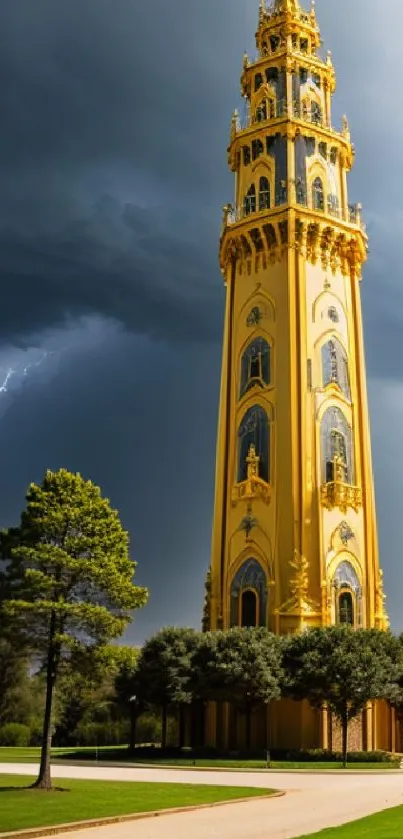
337 448
255 365
335 365
264 194
254 431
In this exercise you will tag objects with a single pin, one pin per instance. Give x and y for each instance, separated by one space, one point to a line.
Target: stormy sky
114 122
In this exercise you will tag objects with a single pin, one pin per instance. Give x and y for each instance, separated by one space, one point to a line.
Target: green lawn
120 755
385 825
79 800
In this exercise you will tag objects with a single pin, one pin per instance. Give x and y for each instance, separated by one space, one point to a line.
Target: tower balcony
234 215
337 494
295 112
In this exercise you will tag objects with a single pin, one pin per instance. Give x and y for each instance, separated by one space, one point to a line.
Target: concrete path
313 802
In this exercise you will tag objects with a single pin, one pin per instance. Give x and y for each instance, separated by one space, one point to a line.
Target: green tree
242 666
126 690
14 653
76 591
164 673
340 667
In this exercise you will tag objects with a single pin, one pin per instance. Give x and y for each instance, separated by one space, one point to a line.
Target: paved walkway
312 802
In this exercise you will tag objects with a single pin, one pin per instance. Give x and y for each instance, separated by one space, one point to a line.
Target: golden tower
294 534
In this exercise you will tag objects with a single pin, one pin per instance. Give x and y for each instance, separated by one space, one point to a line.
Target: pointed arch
248 595
254 429
337 447
335 365
348 594
255 365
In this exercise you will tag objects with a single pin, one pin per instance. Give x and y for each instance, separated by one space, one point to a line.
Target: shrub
14 734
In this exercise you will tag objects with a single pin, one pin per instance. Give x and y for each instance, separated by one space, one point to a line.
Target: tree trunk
44 780
164 727
133 728
344 734
182 727
248 727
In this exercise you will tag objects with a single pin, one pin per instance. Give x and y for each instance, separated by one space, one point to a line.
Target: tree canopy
72 578
341 667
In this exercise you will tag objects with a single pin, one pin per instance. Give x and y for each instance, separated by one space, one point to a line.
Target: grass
80 800
385 825
115 754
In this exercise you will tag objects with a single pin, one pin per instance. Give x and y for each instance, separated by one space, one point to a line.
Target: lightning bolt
4 386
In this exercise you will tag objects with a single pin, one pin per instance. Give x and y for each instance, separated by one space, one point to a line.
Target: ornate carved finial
299 583
253 462
248 523
345 127
245 60
262 10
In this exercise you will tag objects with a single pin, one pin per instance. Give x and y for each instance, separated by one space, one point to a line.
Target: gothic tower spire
294 475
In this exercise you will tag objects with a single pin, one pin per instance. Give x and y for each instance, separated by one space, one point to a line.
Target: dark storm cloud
116 414
120 98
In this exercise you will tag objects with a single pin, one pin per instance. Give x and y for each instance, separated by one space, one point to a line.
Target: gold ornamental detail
253 487
341 495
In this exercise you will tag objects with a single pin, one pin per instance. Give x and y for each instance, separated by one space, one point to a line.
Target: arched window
248 605
348 594
264 194
250 200
254 430
255 365
318 196
261 112
335 366
337 448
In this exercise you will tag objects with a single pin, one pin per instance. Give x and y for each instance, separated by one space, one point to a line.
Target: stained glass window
249 588
254 430
335 366
337 442
255 365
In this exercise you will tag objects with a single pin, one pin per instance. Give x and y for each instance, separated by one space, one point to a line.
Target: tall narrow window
261 112
254 430
248 605
348 595
258 81
250 201
318 197
316 113
264 194
257 149
335 366
249 616
345 609
246 155
255 365
337 447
